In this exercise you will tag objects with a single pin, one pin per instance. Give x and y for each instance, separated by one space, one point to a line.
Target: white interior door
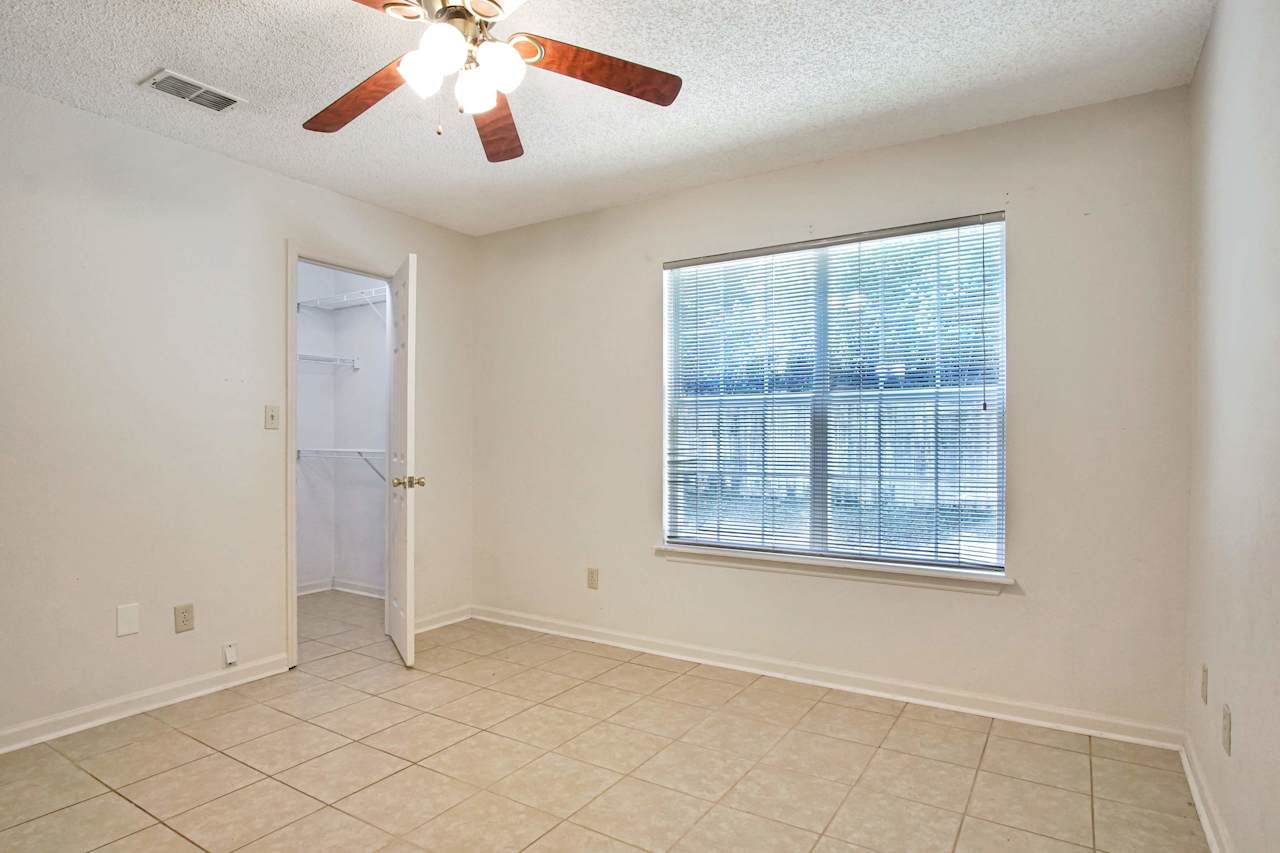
402 477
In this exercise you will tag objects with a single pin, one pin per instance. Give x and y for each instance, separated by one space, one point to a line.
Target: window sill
959 580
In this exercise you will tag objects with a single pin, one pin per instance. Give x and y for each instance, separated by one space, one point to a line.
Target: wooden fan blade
629 78
498 132
340 113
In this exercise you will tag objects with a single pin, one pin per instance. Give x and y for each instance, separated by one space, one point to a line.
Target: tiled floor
503 739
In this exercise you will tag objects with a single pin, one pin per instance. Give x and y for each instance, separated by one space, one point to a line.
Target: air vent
190 90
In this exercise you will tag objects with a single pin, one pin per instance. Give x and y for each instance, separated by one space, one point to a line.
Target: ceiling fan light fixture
405 11
421 76
492 10
444 47
475 91
502 64
529 48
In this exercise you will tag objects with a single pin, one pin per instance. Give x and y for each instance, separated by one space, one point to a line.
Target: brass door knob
419 481
397 482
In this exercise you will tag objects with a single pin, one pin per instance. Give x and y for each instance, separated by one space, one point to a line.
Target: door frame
296 251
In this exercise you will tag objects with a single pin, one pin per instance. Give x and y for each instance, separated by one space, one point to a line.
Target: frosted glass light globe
418 72
475 91
503 65
444 47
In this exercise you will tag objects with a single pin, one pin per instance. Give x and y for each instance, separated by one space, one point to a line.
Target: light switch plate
229 654
1204 683
1226 729
126 620
593 578
271 417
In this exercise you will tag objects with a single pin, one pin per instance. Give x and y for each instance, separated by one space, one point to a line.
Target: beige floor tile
422 642
485 823
556 784
880 821
616 747
724 830
278 685
1035 763
365 718
484 643
848 723
744 736
945 743
591 648
531 654
287 747
571 838
447 633
382 677
798 689
83 826
182 788
536 685
415 739
803 801
406 800
200 708
384 650
325 831
147 757
579 665
235 727
338 666
1041 809
924 780
314 701
440 658
483 709
660 717
660 662
309 650
736 677
864 702
1136 753
109 736
1145 787
243 816
980 836
1041 735
648 816
594 700
342 772
154 839
703 692
400 846
944 717
355 638
21 763
483 671
545 726
819 755
430 692
766 703
50 786
635 678
705 773
483 758
312 627
1127 829
827 844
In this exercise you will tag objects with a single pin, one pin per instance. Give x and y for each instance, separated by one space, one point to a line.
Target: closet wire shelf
368 296
335 360
369 457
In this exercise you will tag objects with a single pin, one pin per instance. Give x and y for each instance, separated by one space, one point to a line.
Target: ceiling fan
458 39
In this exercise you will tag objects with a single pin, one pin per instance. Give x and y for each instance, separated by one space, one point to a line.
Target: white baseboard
315 586
1068 719
358 588
56 725
442 618
1215 830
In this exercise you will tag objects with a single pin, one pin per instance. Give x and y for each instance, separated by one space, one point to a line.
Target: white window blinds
842 398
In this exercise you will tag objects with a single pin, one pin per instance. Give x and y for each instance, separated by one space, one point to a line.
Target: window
843 398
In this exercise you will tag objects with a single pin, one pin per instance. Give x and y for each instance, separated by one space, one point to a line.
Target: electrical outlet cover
593 578
1226 729
184 618
1204 683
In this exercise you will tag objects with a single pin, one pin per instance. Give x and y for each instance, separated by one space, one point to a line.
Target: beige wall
1234 594
142 329
568 416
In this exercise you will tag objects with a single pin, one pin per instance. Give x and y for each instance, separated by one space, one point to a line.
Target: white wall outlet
184 618
593 578
1204 683
271 417
126 620
229 654
1226 729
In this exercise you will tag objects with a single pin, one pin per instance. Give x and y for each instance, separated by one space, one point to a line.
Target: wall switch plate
593 578
184 618
271 417
126 620
1226 729
1204 683
229 654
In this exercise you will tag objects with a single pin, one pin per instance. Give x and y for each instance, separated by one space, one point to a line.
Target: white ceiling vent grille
170 83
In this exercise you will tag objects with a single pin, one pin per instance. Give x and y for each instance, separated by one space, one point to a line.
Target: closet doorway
351 452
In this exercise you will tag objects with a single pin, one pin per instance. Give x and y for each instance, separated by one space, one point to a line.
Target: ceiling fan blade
498 132
338 114
629 78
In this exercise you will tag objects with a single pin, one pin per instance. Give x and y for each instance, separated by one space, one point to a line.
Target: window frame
916 572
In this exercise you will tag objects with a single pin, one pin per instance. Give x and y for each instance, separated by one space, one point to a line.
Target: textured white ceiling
767 85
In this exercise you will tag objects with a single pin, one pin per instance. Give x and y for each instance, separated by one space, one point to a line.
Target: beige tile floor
504 739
